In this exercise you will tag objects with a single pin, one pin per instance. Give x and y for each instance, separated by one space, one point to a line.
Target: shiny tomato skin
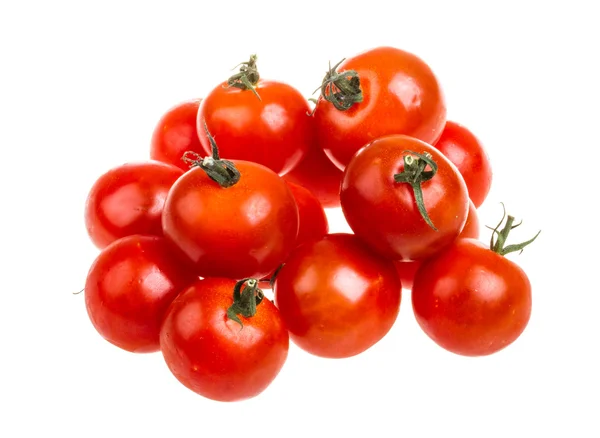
129 288
401 95
472 226
243 231
275 131
337 297
407 270
384 213
318 174
470 300
175 133
213 355
470 157
128 200
313 220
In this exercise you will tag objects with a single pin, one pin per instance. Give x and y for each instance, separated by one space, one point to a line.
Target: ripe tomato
336 297
467 153
379 198
266 123
386 91
215 356
470 299
318 174
243 229
406 270
129 288
175 133
313 221
128 200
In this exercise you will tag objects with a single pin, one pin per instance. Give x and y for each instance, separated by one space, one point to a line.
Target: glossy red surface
274 131
129 287
401 95
128 200
211 354
470 300
243 231
336 297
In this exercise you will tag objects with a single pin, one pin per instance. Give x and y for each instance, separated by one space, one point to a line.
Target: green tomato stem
245 300
415 175
499 237
247 78
223 172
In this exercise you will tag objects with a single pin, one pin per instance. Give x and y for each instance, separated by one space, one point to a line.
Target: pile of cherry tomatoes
231 204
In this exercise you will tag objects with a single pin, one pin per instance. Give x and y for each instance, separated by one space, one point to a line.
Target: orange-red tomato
383 212
242 231
129 287
175 134
467 153
215 356
400 95
336 296
128 200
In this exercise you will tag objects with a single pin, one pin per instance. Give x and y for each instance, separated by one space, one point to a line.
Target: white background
81 87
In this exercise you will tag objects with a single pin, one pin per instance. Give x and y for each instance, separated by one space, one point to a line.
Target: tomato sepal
223 172
247 77
245 300
341 89
414 174
499 238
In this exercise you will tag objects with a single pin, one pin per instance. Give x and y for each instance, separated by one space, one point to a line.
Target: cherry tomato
128 200
379 198
470 299
318 174
406 270
216 356
313 221
175 133
467 153
337 297
240 231
267 123
387 91
129 288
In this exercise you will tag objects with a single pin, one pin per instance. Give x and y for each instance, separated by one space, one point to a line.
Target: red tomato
406 270
472 226
470 299
212 354
129 288
272 129
313 221
383 211
242 231
318 174
336 297
128 200
467 153
175 133
391 92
